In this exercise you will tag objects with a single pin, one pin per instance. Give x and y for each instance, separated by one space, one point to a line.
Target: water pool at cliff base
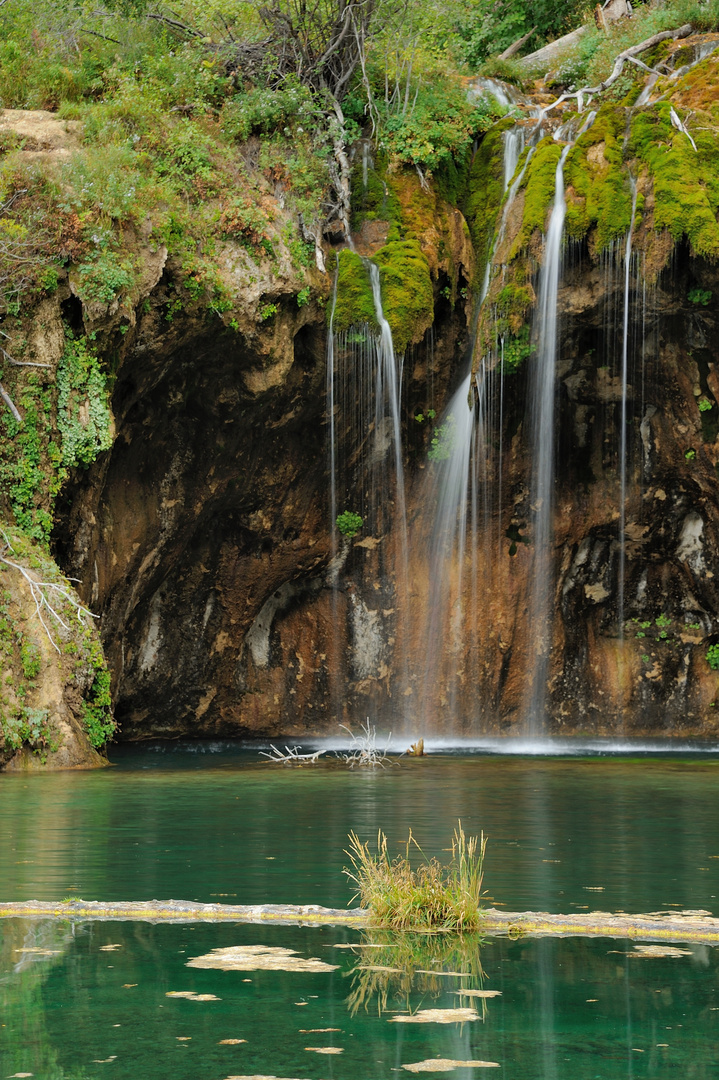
89 1000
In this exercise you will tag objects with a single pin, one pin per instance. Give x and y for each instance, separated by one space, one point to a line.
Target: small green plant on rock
349 523
704 404
712 657
431 897
699 296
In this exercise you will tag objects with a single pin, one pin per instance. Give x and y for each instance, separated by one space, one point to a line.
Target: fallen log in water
650 926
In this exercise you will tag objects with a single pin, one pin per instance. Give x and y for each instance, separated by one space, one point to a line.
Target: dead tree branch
40 591
621 60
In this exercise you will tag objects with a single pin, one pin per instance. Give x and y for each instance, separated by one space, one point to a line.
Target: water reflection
402 971
569 1009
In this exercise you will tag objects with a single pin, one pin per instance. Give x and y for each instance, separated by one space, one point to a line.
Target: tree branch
10 403
621 60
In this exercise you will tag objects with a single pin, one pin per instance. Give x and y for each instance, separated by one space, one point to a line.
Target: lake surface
566 833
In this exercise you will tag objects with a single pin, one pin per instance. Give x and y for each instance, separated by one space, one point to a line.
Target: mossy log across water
652 926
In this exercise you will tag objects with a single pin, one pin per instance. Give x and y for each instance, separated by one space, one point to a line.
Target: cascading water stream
542 408
366 478
389 386
459 471
623 417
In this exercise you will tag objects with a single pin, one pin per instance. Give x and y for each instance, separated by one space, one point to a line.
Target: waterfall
389 388
542 409
456 498
623 417
364 378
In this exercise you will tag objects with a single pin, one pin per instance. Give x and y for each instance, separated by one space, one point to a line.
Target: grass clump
430 898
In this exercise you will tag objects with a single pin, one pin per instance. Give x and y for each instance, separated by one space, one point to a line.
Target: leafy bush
83 412
103 277
699 296
349 523
266 110
712 657
438 128
432 897
31 726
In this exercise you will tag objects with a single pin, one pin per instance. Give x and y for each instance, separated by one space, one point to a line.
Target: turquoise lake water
572 834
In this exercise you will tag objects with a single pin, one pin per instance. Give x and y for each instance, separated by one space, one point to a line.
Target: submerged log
688 925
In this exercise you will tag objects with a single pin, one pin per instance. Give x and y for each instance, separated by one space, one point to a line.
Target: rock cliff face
229 604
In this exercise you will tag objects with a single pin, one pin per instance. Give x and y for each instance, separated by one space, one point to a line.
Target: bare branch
10 403
40 591
622 58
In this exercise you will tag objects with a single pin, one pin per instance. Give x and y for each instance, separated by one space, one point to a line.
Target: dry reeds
431 897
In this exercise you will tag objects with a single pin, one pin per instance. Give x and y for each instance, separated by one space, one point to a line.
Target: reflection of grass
432 897
390 966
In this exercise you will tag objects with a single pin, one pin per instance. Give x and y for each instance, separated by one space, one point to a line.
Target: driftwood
609 12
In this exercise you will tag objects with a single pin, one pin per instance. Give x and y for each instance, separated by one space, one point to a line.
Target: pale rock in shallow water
258 958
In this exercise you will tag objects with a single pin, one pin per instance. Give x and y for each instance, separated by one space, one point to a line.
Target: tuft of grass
431 897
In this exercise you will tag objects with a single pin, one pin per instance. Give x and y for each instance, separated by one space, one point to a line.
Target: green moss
407 295
355 304
599 194
512 306
539 186
486 189
686 184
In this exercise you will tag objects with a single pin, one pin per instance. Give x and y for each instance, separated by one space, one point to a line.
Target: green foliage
407 295
704 404
103 277
265 110
438 128
690 455
515 350
97 707
443 439
712 657
84 418
303 296
31 726
28 458
30 659
268 311
349 523
430 897
700 296
485 27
